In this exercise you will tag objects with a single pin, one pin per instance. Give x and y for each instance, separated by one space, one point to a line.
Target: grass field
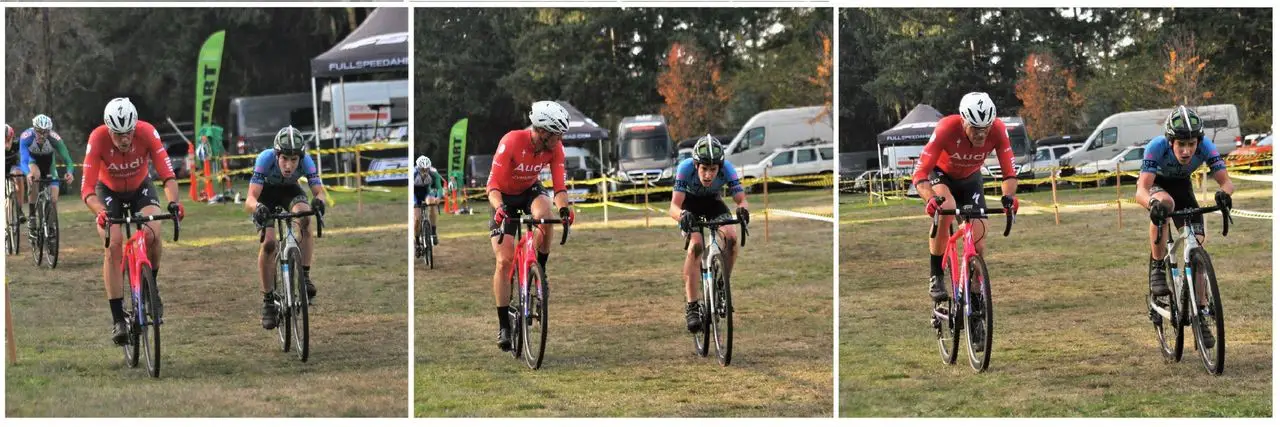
617 344
1072 333
217 361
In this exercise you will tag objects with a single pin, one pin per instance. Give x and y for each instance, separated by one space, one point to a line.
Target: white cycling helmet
977 109
120 115
42 122
549 116
422 163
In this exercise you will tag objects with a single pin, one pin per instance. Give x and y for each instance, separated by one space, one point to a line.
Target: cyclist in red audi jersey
948 174
115 173
514 187
13 160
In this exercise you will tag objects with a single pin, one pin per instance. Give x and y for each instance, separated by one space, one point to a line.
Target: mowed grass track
616 343
216 358
1072 333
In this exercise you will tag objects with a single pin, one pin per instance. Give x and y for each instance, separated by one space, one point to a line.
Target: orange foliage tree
1050 99
694 91
1185 72
822 78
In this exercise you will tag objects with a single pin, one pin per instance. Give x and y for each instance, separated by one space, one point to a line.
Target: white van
1118 132
773 129
384 102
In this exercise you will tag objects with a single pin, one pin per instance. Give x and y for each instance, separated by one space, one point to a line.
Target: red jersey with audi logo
123 171
949 149
516 166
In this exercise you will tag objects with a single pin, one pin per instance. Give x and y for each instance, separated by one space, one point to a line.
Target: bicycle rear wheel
721 310
51 233
978 315
534 326
298 306
1210 315
151 329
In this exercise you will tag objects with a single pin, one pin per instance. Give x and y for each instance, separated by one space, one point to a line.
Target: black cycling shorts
519 203
143 196
1183 197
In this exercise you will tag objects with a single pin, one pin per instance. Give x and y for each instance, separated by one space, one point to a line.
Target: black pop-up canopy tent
581 127
583 130
379 44
914 129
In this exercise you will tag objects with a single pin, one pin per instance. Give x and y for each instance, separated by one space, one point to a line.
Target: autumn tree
693 91
1185 72
822 78
1050 100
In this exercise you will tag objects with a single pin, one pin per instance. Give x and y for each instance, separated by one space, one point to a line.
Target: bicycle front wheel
946 323
36 237
1169 329
298 305
1213 348
721 310
13 243
151 317
131 308
424 235
978 318
515 317
50 228
534 324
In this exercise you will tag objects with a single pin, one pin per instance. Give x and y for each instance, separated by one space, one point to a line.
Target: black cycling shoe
936 290
693 317
1158 285
504 339
120 333
311 287
270 315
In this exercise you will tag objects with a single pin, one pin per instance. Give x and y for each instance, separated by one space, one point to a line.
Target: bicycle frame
1183 241
526 249
134 253
960 263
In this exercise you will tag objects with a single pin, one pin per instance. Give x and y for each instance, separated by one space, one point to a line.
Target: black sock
306 269
433 230
935 265
31 209
117 309
155 273
542 261
503 321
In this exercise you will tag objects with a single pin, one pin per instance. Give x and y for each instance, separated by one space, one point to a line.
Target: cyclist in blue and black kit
36 147
1165 182
700 182
428 187
274 184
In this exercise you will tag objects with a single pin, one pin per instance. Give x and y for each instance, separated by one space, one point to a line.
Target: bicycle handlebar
1183 213
564 235
139 218
717 224
971 212
262 233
